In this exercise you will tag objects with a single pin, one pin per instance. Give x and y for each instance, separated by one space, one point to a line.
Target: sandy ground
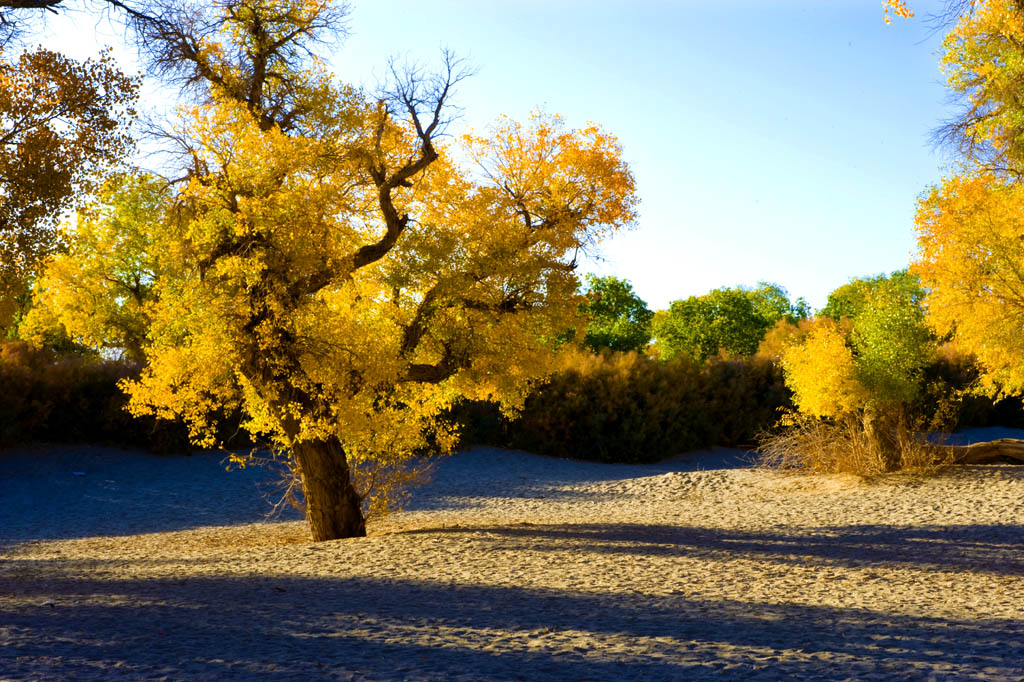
118 565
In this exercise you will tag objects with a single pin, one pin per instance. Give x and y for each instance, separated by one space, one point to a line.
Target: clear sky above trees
771 140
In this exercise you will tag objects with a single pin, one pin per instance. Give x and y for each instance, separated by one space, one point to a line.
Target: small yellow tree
98 290
854 383
822 373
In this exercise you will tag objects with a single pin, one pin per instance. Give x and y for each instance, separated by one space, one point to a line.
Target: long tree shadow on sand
994 549
226 627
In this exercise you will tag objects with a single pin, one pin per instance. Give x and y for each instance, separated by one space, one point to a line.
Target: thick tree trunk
879 434
1002 451
332 504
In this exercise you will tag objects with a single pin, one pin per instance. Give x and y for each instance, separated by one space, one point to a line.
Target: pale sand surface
511 566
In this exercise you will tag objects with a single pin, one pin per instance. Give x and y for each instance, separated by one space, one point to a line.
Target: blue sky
779 140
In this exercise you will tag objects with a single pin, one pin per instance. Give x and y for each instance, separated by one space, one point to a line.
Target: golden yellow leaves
62 124
99 289
897 8
479 277
558 188
271 305
984 63
822 372
547 173
970 234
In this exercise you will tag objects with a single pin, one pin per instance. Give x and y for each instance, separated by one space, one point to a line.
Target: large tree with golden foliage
854 384
969 228
971 258
62 123
342 274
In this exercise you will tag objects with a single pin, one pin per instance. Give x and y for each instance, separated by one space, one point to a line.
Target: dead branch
1001 451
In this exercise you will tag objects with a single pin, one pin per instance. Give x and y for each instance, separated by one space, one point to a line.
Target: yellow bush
822 372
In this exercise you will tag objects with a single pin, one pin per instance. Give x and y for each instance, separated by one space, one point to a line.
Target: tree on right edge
969 230
971 267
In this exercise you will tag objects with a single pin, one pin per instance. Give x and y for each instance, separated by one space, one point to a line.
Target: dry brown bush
849 445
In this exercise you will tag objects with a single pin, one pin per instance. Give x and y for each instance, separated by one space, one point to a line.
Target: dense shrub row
625 407
612 407
72 397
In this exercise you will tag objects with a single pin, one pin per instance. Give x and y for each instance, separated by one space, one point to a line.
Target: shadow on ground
54 492
980 548
57 492
224 627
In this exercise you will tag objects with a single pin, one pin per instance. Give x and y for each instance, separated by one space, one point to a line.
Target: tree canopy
981 59
854 297
865 350
331 268
971 244
618 319
726 320
864 374
63 124
98 291
969 230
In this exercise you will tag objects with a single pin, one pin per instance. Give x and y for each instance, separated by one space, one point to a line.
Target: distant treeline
636 386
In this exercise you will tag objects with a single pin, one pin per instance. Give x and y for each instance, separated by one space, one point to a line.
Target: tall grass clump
847 446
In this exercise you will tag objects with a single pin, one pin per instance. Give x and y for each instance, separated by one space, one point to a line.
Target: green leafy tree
619 319
728 320
771 303
852 298
892 344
